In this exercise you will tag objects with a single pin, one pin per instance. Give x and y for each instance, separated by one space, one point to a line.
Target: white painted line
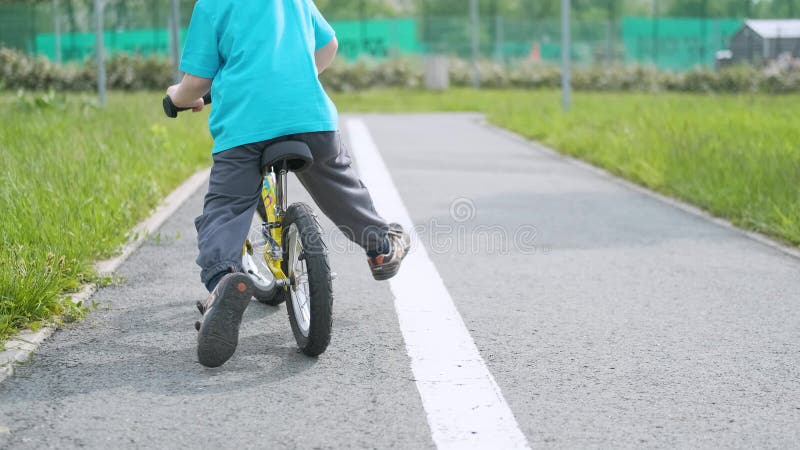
464 404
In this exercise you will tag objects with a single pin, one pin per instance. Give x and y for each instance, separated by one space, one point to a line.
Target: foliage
360 9
614 9
130 73
125 72
76 178
366 74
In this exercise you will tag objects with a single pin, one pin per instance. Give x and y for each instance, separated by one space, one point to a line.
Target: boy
263 59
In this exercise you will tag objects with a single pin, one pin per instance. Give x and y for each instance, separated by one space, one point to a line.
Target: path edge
671 201
20 348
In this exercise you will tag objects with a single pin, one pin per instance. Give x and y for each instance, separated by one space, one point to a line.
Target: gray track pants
235 189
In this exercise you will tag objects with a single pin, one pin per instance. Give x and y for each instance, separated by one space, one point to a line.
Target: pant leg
233 192
338 191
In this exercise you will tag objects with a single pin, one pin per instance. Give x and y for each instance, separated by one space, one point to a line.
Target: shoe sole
385 274
219 332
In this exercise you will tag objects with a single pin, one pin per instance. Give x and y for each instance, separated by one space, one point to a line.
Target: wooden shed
764 40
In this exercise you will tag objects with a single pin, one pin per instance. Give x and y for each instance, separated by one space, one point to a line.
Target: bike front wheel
309 296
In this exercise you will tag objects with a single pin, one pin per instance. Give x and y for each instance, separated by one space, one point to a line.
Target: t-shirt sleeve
323 32
200 53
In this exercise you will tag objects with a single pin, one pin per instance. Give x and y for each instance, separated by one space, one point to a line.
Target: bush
123 72
18 71
535 76
131 73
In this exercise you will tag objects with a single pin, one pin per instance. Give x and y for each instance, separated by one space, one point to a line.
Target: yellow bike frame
274 220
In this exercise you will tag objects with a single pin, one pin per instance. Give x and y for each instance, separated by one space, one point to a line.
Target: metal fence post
703 32
499 39
100 51
566 84
654 49
32 23
476 77
174 34
57 31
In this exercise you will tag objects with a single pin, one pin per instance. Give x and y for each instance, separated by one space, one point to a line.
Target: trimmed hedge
130 73
123 72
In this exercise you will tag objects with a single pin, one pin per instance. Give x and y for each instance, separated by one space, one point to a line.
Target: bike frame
273 194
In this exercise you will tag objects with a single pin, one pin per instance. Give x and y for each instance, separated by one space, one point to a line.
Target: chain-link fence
669 43
62 30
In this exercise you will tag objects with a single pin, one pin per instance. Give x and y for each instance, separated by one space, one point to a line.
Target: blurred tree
733 8
604 9
357 9
784 8
523 8
76 10
71 15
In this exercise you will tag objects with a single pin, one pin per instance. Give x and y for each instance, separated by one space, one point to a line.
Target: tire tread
320 284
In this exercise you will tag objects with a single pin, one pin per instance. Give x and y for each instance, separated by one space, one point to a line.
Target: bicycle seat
296 154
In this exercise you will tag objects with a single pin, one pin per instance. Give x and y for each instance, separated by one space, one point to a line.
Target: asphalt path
606 317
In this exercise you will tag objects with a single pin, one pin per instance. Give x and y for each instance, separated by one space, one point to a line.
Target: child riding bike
261 61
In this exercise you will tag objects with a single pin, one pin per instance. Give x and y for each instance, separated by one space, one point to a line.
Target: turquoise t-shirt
261 57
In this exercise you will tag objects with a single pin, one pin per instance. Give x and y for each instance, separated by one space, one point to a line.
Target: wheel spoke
306 314
298 273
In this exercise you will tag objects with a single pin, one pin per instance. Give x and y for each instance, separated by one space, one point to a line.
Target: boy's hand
174 93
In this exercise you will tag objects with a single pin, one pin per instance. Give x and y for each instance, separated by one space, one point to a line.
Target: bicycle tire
301 218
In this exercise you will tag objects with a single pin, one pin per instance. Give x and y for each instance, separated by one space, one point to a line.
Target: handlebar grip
172 111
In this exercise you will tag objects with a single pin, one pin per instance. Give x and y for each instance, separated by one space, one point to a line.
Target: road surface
604 317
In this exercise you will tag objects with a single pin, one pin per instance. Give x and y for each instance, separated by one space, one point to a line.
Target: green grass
738 157
74 180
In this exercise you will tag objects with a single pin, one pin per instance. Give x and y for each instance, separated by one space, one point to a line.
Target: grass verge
75 179
737 157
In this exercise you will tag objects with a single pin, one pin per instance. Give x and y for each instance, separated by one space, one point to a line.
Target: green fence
19 25
669 43
379 38
140 27
78 46
676 43
508 39
376 38
131 26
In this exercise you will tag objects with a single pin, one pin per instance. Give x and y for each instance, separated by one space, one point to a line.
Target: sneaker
386 265
222 315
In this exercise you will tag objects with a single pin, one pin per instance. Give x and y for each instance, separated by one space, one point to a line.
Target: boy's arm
200 61
325 42
189 92
324 56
